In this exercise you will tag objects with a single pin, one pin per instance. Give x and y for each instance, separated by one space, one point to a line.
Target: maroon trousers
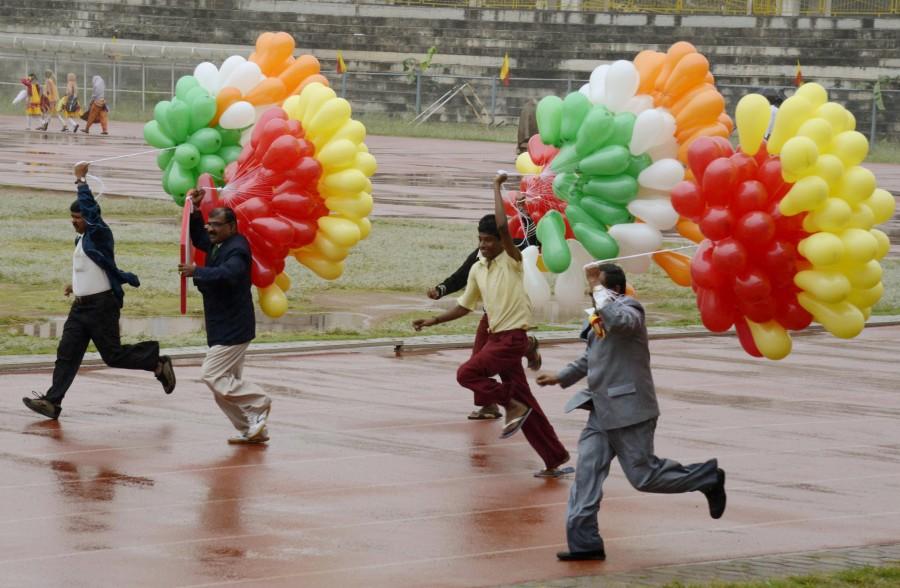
500 354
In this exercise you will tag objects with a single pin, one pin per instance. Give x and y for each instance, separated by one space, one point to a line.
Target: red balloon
260 128
273 230
702 273
252 209
746 338
750 195
283 154
687 200
717 223
790 314
755 229
719 181
761 311
261 275
752 285
779 259
769 174
746 166
515 227
304 232
724 146
295 204
762 154
540 154
716 309
307 172
701 153
729 257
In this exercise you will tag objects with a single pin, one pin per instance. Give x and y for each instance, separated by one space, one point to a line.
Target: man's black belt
92 297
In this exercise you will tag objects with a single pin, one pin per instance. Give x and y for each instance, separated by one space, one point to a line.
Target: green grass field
869 577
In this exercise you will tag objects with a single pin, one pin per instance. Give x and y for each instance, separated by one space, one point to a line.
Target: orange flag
504 70
341 66
798 77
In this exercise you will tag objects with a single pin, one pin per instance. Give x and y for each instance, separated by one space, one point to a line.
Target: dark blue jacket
99 245
225 285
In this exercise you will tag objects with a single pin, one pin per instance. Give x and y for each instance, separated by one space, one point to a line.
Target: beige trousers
240 401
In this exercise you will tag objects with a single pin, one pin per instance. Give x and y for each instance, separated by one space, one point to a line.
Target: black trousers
96 319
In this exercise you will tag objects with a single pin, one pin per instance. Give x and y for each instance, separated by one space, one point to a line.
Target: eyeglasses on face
216 224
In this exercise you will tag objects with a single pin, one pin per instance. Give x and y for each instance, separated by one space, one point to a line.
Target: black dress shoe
715 495
596 555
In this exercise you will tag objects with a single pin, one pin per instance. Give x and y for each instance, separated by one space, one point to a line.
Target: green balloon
212 165
637 164
184 85
203 110
178 120
594 131
596 241
230 153
549 119
187 156
207 140
620 189
195 93
611 160
623 127
604 212
551 232
161 116
164 158
577 216
230 137
178 181
566 160
574 108
564 186
155 136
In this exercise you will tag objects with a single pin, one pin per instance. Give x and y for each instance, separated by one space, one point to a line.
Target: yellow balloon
882 205
851 146
525 166
884 243
860 246
324 268
835 114
272 301
866 312
863 275
292 107
831 216
771 339
822 249
866 298
816 94
352 130
365 162
861 217
808 193
541 265
328 119
810 224
353 207
340 231
798 155
312 98
348 182
841 319
363 148
823 285
752 116
365 227
336 155
851 120
819 130
322 246
793 112
830 168
857 184
283 281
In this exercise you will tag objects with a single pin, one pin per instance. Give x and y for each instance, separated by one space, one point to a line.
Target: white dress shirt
87 277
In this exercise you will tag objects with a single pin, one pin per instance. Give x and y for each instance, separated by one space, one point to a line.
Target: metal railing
730 7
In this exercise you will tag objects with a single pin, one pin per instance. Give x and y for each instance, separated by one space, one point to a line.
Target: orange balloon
673 56
648 63
303 67
311 80
225 98
268 91
689 230
709 79
703 109
630 291
713 129
690 72
726 120
684 100
676 265
272 51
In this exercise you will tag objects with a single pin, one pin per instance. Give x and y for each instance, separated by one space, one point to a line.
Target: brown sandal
532 355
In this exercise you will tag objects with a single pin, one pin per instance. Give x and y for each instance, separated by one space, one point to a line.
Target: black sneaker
41 405
166 374
715 495
596 555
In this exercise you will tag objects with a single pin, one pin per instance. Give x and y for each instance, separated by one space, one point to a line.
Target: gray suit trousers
633 445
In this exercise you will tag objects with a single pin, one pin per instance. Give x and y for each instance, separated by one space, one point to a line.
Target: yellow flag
504 70
341 66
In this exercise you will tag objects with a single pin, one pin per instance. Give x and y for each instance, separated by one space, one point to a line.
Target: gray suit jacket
620 385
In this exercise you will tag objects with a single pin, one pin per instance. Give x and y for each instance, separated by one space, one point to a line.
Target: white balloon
238 116
622 81
585 89
662 175
228 66
638 104
656 212
668 149
633 239
668 122
244 77
598 84
536 285
571 285
207 76
246 136
646 131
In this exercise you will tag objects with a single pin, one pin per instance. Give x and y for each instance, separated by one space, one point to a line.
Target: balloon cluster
300 187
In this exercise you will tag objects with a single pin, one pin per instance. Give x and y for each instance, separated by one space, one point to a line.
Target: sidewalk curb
26 363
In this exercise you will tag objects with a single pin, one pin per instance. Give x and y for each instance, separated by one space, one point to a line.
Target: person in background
69 104
32 99
50 104
775 98
97 110
527 125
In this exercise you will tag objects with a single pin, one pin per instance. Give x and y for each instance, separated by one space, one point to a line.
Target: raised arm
502 224
199 236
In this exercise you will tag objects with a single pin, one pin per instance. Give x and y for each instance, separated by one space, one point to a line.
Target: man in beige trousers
224 282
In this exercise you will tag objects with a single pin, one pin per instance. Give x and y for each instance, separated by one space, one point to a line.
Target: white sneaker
258 424
242 439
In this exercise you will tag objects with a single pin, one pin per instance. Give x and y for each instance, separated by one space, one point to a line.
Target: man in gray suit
623 412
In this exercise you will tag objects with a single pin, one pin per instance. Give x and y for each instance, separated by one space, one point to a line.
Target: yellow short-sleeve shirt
499 285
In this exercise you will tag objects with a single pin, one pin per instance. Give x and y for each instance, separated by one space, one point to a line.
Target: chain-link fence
133 88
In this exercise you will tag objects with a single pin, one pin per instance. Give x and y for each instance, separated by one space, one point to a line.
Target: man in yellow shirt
496 281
